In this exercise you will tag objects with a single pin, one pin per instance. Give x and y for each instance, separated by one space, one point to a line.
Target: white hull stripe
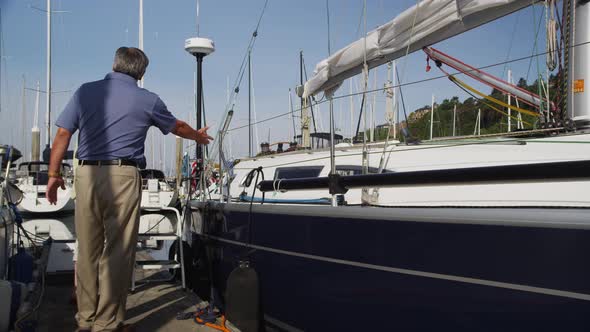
490 283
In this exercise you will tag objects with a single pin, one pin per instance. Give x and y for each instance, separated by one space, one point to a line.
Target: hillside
491 120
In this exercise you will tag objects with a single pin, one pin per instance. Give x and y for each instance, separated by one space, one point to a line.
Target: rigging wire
537 30
406 61
241 72
243 66
401 94
412 83
517 17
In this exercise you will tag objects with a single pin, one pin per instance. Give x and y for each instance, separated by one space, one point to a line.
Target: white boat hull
36 202
440 156
157 200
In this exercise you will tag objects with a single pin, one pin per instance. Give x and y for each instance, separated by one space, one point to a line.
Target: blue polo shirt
113 116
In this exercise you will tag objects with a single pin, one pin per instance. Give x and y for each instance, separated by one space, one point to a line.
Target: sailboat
156 191
475 235
32 176
32 180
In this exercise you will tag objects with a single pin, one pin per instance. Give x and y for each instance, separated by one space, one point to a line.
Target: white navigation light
198 45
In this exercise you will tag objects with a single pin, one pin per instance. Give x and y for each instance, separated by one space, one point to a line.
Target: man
113 116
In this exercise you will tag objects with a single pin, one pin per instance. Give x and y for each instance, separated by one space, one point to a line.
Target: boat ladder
177 263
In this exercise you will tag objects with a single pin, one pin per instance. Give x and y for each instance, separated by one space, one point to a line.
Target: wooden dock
152 307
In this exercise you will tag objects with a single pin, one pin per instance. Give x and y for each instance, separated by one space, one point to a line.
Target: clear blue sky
84 41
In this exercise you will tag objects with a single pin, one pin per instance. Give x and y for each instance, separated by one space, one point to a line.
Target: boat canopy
424 24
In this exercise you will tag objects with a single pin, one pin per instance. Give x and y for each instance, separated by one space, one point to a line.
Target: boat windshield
152 174
38 171
38 166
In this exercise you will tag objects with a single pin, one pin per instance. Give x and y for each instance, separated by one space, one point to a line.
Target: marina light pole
199 47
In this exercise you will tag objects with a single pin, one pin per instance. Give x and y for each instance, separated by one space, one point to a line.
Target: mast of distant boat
48 92
24 118
141 33
249 104
35 132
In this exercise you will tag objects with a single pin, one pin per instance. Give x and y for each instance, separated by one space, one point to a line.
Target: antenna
199 48
198 19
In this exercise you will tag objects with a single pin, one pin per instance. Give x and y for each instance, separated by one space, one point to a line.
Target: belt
116 162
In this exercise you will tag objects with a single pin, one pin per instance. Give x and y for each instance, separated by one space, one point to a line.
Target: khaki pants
107 220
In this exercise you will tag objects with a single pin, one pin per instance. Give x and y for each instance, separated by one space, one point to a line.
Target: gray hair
131 61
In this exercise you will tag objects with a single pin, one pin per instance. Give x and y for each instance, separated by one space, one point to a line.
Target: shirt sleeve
70 117
162 118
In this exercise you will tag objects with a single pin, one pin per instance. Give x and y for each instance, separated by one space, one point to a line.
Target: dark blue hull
359 269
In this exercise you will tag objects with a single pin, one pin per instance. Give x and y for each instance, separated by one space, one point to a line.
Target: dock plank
152 307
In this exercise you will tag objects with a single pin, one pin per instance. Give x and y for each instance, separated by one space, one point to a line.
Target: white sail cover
435 20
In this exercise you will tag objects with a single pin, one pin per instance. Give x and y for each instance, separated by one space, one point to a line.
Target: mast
351 112
390 106
24 118
579 64
509 102
301 82
431 116
249 104
292 115
332 129
305 139
395 101
477 129
141 35
48 93
35 133
372 120
454 119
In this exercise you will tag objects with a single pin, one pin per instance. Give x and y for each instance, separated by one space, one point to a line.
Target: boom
495 82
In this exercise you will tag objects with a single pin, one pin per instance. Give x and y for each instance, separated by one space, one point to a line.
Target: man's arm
183 130
58 150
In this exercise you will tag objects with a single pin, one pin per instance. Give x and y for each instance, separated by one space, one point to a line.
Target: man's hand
58 150
183 130
52 186
202 136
